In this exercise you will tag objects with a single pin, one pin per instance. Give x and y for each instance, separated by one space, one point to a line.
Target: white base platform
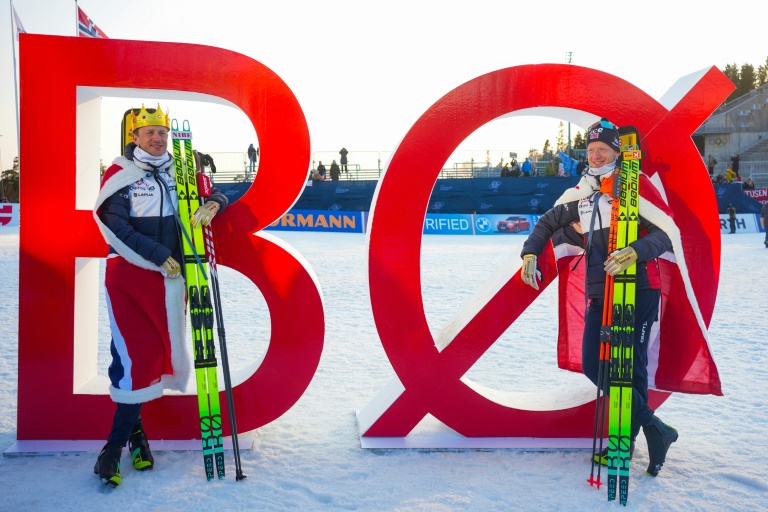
431 434
36 447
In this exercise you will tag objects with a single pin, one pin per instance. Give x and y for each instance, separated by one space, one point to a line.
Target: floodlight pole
568 60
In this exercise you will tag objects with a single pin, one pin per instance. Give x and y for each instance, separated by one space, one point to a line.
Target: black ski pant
646 312
126 417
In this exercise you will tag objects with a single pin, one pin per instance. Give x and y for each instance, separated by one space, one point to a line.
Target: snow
311 458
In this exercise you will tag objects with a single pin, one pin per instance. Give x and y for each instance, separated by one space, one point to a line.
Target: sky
310 458
364 72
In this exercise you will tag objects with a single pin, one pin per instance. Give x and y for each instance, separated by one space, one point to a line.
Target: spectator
730 175
735 164
253 156
527 168
603 150
549 170
320 176
748 185
711 163
581 167
514 170
731 211
343 159
145 297
764 222
505 171
334 171
560 169
5 199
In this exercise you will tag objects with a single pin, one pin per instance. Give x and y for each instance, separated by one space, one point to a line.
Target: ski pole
210 251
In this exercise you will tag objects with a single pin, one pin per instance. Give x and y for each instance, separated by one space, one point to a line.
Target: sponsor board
9 214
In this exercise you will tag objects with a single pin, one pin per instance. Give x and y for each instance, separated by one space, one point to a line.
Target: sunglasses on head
604 123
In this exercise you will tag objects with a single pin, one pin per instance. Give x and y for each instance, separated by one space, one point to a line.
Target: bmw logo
482 224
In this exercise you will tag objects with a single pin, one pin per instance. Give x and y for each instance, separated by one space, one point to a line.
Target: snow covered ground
311 459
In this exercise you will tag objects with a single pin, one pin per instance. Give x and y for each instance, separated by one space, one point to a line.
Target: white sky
364 72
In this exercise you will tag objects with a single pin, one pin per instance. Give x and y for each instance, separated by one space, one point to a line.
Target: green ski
200 307
623 323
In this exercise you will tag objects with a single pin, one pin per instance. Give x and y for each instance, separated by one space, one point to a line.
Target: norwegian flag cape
679 356
146 311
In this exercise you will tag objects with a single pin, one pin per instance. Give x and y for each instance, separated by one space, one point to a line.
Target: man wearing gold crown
137 213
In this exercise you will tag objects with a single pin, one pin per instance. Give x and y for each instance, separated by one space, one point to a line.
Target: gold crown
146 118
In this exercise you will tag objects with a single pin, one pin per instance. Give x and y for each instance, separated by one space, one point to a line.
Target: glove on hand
170 268
204 214
530 272
620 260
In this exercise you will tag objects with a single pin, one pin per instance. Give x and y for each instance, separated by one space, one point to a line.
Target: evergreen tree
762 73
579 142
561 144
10 182
732 72
546 152
747 80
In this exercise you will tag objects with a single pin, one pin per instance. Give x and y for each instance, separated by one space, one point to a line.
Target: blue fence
478 195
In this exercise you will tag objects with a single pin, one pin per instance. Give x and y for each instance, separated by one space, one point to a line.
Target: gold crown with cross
151 117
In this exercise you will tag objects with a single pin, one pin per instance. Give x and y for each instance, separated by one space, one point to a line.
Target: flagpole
15 81
77 21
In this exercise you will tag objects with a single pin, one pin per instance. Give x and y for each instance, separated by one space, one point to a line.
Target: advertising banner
501 224
450 224
320 220
745 223
9 214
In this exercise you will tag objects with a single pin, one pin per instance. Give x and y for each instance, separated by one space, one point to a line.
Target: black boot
108 464
139 448
659 437
602 457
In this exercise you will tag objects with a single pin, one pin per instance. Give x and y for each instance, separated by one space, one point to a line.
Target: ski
623 323
204 191
199 303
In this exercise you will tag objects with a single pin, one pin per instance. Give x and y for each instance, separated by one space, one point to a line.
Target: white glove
530 272
620 260
204 214
170 268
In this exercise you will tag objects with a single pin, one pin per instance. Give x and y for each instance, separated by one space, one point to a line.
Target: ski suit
136 213
590 216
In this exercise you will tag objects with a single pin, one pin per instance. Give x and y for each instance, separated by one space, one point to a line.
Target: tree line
745 77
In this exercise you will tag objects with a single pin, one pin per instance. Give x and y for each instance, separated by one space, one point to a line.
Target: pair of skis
202 283
618 327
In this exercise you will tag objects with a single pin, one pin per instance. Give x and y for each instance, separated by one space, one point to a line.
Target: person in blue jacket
587 209
137 213
526 169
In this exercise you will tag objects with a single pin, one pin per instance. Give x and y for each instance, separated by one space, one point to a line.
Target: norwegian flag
86 27
679 356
